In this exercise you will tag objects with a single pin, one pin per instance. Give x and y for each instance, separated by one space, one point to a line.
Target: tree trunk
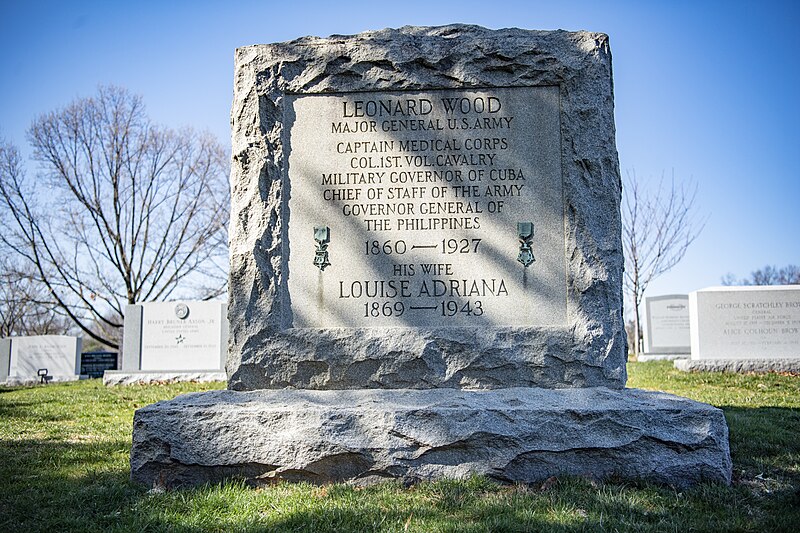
636 331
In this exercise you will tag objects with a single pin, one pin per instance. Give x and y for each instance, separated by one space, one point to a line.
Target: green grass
64 452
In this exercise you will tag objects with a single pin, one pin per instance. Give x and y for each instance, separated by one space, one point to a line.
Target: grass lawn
64 467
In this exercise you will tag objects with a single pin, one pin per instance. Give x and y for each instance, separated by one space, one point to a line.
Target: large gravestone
172 341
666 331
745 329
499 143
426 274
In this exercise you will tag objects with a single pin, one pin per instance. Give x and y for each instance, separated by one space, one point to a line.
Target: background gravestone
172 341
95 364
426 264
666 332
745 329
24 356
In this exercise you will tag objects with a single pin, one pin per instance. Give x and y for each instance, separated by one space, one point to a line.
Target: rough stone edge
593 346
738 365
655 436
120 377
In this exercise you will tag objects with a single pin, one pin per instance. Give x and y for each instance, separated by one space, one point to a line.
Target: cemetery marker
426 274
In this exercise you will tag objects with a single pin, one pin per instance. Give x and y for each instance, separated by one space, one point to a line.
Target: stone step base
644 357
124 377
17 381
739 365
511 435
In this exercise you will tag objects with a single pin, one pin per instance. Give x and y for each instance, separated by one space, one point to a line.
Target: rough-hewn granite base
121 377
738 365
512 435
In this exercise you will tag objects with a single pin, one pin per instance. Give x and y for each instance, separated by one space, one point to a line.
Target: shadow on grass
764 435
62 485
480 505
14 388
765 449
21 410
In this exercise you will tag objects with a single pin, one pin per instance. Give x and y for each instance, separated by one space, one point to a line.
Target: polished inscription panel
426 209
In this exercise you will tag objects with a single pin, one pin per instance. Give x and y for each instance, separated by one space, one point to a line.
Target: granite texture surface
511 435
266 351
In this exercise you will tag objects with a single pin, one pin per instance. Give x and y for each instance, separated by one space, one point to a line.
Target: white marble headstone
746 322
59 354
666 329
184 335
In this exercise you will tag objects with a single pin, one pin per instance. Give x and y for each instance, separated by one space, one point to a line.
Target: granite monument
426 274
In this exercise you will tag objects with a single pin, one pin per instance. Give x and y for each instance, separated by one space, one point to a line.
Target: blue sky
709 91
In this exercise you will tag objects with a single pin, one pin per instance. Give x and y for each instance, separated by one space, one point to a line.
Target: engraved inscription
433 197
747 323
760 324
668 327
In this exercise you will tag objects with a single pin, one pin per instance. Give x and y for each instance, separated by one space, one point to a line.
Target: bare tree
24 305
658 226
769 275
25 308
123 211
